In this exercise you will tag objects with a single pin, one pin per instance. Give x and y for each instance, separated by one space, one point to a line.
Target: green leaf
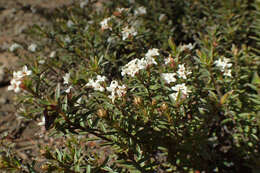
57 92
213 96
172 44
88 169
251 86
255 101
225 97
226 120
256 79
59 155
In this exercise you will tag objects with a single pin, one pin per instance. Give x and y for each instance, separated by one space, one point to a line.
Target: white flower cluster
32 47
140 11
127 32
168 60
224 66
70 24
180 89
66 78
121 10
52 54
116 90
97 83
17 79
187 47
162 17
14 46
168 77
135 65
104 23
182 72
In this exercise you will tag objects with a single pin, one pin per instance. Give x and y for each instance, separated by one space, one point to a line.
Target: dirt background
15 17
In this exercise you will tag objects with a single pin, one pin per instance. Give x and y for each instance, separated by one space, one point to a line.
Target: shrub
150 86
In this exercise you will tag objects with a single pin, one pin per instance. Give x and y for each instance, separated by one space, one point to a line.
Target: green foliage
149 125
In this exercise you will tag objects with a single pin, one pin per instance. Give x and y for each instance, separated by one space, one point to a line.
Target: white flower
52 54
150 60
66 78
140 11
18 75
162 17
223 64
116 90
131 68
181 88
168 77
113 86
25 71
187 47
15 85
126 32
90 83
111 40
104 23
98 87
101 78
182 71
70 24
96 84
152 52
67 39
42 122
14 46
167 60
83 3
120 10
143 63
78 102
32 47
227 73
174 96
17 79
121 90
68 89
41 61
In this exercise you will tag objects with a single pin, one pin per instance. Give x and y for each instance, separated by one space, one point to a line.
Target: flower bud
164 107
42 152
215 44
23 86
234 50
117 13
153 102
137 101
44 167
102 113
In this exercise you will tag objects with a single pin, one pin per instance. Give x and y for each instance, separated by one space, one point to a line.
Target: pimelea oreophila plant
158 104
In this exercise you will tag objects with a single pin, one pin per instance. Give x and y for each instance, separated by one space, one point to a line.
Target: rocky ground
15 17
